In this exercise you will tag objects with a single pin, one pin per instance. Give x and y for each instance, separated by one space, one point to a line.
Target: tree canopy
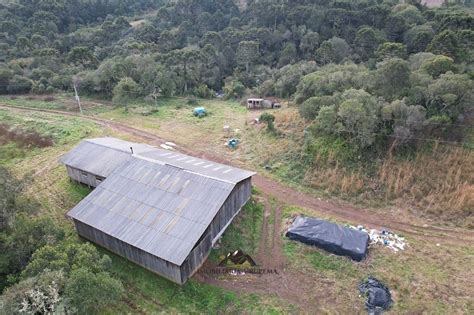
308 51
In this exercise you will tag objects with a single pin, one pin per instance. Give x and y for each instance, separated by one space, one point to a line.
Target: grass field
436 182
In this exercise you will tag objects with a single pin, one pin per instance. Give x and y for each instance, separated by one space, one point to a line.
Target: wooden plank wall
142 258
88 179
236 200
196 258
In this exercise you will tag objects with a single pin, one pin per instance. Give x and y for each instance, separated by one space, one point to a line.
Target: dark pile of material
331 237
378 296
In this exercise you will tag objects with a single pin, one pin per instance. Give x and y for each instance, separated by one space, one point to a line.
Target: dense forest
361 71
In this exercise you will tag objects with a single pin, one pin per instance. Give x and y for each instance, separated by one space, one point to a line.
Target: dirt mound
23 138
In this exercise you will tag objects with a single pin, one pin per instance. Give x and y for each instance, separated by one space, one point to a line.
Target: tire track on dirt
290 196
262 251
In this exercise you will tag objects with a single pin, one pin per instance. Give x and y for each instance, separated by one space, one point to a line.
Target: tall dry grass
440 181
337 180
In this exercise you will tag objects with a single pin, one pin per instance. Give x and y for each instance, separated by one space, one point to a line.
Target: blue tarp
199 112
334 238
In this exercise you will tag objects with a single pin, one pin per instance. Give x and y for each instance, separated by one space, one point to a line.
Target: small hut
259 103
255 103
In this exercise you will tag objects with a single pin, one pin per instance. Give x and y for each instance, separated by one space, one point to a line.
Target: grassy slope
434 184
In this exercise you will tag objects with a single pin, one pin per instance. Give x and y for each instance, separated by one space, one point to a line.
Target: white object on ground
167 147
171 144
388 239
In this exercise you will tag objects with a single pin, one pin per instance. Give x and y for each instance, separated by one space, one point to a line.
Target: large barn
160 209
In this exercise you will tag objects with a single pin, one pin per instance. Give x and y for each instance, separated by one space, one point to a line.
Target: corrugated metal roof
101 156
121 145
161 209
204 167
157 200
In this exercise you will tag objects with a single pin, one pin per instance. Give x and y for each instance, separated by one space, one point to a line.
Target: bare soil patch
23 138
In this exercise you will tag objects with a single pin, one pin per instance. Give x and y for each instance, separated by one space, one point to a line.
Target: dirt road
290 196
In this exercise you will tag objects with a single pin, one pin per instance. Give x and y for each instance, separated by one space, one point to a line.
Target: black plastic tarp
331 237
378 296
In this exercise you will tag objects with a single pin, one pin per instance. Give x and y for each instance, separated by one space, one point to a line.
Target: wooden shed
160 209
259 103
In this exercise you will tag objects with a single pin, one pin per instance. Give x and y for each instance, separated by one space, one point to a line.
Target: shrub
203 91
126 90
268 119
88 292
234 89
19 84
36 295
191 100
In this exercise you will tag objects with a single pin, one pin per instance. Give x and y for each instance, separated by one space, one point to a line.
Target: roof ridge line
141 157
182 168
108 147
207 176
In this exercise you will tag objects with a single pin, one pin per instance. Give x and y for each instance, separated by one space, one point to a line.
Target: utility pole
78 99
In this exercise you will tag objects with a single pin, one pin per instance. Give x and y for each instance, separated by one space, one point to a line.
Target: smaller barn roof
101 156
121 145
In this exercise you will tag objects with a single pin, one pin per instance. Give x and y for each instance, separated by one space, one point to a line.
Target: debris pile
378 296
168 145
383 237
226 129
